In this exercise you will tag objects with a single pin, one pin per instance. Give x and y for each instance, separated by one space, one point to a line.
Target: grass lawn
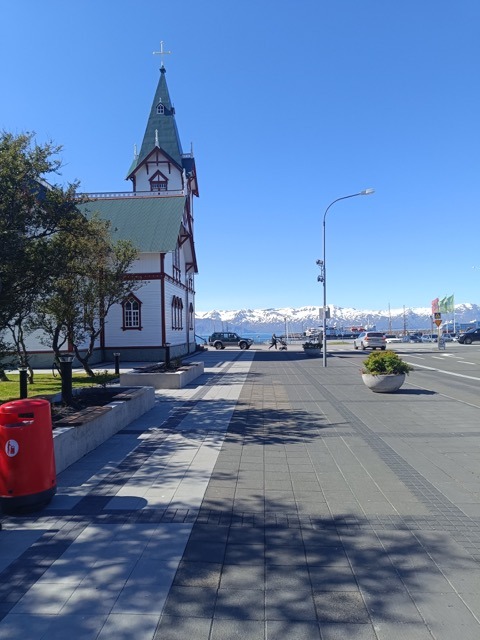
45 384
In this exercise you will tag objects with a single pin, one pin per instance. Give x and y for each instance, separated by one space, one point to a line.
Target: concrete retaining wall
72 443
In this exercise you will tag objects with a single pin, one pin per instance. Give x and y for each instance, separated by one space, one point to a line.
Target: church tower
157 217
161 165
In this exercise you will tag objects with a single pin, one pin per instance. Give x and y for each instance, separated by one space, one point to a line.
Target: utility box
27 459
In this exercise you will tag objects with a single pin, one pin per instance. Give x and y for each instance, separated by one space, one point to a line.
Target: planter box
99 424
164 380
313 353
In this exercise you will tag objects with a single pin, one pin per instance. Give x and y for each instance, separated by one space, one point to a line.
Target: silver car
370 340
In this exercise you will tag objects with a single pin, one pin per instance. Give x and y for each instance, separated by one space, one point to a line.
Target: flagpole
454 331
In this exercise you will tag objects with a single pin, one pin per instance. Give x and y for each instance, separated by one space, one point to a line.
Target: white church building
157 319
157 216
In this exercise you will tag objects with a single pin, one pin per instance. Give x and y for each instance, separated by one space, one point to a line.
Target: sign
438 322
438 316
11 448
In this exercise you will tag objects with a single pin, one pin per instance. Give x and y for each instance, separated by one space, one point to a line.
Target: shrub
385 363
312 345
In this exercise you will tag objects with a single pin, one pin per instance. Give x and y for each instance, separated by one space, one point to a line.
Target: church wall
146 263
150 334
175 336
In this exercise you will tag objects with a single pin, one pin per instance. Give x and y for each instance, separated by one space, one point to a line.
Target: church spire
161 127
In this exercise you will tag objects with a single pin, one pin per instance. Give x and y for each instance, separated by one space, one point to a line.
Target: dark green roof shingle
152 224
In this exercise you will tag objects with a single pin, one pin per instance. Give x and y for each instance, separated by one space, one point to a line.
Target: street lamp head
367 192
66 357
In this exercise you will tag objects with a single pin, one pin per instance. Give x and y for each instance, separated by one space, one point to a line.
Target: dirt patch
161 367
87 399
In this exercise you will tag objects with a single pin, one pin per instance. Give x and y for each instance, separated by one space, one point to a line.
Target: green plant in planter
383 363
312 345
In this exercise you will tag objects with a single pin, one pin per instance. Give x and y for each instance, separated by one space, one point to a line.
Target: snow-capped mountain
302 318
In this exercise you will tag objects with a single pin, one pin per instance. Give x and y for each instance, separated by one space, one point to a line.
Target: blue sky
289 104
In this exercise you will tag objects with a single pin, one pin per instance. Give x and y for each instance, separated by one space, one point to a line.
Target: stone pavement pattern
273 500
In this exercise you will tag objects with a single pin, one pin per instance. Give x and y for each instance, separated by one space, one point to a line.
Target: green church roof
152 224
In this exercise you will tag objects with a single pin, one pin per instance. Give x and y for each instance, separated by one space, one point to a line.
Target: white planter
164 380
383 383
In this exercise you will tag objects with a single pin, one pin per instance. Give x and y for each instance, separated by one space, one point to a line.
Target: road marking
465 362
448 373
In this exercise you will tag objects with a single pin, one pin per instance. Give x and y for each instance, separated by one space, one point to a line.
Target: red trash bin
27 458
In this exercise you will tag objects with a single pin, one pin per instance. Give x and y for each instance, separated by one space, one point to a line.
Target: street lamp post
323 265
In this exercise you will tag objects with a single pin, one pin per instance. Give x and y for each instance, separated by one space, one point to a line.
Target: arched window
191 315
177 313
132 313
177 265
160 109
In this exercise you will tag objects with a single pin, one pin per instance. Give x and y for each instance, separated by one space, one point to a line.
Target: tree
90 281
32 212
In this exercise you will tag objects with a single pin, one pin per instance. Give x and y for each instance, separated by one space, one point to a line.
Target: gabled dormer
158 182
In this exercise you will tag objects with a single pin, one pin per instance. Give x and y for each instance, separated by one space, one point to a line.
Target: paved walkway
273 500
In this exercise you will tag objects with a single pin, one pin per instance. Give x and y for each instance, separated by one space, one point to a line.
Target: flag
434 306
446 304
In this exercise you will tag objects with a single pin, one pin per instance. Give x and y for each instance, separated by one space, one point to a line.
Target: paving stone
180 628
198 574
282 577
403 631
198 602
237 630
245 554
289 604
340 606
342 631
242 577
283 629
240 604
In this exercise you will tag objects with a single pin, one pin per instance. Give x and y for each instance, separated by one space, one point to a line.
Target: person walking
273 342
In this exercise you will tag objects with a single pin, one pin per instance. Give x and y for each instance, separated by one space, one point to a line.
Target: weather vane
161 53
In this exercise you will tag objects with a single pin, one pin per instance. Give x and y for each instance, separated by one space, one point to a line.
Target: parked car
222 339
472 335
429 337
389 339
412 338
370 340
447 337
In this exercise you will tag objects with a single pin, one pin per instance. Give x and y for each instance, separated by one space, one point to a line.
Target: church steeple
161 166
161 127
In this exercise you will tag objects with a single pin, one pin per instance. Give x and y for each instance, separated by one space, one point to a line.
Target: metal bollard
66 372
117 363
23 371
